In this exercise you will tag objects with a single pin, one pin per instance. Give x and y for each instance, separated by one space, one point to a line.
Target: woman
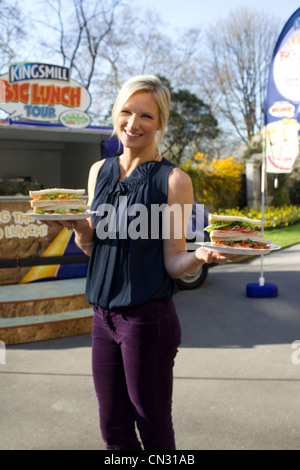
131 279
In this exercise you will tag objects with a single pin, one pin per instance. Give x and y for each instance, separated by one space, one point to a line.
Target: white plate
238 250
80 215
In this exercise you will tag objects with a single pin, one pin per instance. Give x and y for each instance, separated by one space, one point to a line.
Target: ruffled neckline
139 174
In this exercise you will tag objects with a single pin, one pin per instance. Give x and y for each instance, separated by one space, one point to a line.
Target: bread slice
43 192
212 218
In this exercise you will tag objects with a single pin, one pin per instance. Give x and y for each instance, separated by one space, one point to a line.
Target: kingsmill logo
35 71
2 352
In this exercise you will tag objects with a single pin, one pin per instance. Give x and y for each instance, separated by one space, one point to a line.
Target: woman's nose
133 122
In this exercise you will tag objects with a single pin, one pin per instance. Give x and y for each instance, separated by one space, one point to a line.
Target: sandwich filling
236 226
59 210
54 196
248 243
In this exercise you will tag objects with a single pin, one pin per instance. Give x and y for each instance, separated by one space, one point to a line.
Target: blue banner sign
282 117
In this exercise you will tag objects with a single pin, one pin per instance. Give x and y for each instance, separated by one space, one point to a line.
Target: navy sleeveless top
126 266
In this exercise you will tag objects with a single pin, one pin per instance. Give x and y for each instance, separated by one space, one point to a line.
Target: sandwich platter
238 250
61 217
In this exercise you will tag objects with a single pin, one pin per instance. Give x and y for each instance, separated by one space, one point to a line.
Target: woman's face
138 121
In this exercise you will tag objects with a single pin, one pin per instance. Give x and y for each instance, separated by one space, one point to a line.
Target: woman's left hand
209 256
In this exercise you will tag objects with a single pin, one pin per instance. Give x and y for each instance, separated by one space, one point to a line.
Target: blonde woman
131 275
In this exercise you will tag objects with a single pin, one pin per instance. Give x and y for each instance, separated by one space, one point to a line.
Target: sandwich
58 201
235 231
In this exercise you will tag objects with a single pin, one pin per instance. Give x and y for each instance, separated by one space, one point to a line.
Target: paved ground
237 377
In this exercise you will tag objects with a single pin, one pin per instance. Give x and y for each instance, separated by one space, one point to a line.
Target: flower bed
275 217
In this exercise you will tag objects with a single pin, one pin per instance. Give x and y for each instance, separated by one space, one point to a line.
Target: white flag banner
282 145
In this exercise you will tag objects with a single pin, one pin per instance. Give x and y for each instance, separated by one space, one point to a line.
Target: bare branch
240 57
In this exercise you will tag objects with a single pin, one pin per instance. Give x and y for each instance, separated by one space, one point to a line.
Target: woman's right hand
80 225
83 229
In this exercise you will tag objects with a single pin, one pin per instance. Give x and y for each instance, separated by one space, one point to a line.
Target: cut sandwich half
58 201
235 231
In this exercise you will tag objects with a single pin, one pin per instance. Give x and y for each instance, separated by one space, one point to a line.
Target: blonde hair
147 83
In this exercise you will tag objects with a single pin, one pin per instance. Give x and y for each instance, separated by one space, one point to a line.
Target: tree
191 124
11 31
104 42
144 48
235 75
78 35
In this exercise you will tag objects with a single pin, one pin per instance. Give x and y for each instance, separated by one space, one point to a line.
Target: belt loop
109 321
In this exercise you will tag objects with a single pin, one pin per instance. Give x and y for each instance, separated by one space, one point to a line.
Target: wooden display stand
30 252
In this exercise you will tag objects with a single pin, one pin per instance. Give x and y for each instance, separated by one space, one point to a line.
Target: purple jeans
133 351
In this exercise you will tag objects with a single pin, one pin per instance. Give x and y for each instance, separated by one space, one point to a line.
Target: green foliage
190 122
295 192
253 148
217 183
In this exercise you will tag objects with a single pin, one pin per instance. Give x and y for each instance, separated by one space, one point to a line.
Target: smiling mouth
131 135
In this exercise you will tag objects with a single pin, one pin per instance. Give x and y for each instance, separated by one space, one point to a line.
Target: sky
182 14
192 13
